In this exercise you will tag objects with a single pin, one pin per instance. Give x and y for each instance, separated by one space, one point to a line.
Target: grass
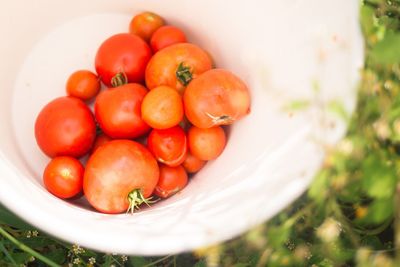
350 215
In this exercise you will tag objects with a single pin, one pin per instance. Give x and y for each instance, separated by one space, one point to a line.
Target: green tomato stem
119 79
184 74
136 198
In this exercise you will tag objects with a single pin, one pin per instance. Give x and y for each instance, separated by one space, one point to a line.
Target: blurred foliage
348 217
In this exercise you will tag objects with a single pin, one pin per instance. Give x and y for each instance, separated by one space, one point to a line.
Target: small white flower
124 258
31 259
329 231
28 234
76 249
346 146
76 261
382 129
92 260
35 233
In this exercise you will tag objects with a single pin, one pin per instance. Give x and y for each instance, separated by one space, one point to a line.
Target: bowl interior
287 53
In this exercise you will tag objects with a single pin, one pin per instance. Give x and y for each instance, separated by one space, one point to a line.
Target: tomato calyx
184 74
221 120
119 79
136 198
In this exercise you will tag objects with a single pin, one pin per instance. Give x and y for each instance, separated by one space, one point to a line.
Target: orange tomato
171 181
166 36
83 84
176 66
206 144
193 164
162 108
145 24
217 97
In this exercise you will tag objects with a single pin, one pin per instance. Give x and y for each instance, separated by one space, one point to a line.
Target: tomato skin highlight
83 84
65 127
206 144
118 111
193 164
217 97
168 146
171 181
163 66
166 36
162 108
122 53
114 170
145 24
63 177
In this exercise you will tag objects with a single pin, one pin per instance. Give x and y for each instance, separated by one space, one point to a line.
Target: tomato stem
218 120
136 198
119 79
184 74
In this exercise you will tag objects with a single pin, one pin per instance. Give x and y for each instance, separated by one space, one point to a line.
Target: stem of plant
397 226
27 249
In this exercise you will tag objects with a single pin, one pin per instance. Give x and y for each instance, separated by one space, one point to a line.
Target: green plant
350 216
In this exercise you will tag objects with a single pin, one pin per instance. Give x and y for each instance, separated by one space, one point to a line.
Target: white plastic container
288 50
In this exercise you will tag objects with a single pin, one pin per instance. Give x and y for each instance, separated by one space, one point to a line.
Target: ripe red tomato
193 164
171 181
63 177
65 127
120 176
83 84
217 97
168 146
118 111
206 144
176 65
100 140
145 24
122 58
166 36
162 108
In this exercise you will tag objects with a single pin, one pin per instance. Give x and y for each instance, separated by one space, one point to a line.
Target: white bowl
284 50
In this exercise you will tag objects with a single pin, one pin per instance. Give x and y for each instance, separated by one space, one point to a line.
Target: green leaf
7 254
318 188
387 50
278 235
21 257
379 180
367 19
58 255
137 261
380 211
6 217
372 242
201 263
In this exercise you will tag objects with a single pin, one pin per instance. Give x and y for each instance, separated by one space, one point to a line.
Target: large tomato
119 176
118 111
65 127
176 66
122 56
217 97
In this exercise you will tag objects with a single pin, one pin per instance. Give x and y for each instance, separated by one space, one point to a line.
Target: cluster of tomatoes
158 119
